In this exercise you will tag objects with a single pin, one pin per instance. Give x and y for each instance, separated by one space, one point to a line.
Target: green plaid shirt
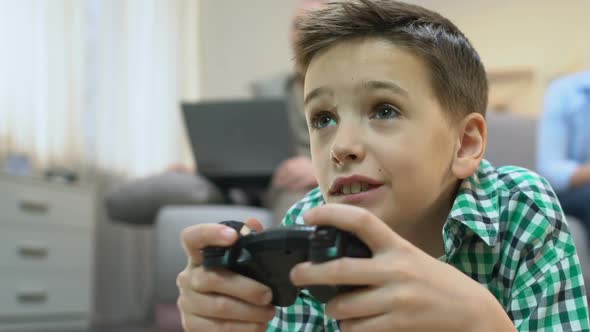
505 230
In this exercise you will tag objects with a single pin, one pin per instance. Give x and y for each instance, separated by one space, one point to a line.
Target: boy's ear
472 138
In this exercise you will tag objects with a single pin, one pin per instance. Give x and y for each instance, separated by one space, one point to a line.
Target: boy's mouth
351 185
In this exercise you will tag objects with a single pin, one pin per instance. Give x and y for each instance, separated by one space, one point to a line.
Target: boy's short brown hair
457 73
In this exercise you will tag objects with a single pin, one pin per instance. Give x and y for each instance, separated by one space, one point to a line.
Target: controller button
324 235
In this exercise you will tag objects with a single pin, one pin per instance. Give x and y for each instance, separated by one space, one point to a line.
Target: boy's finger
197 237
228 283
365 225
361 303
343 271
224 307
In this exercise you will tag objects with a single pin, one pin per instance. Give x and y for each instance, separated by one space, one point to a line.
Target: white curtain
134 121
97 83
42 80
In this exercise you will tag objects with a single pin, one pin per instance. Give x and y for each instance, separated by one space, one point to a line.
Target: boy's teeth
355 188
346 189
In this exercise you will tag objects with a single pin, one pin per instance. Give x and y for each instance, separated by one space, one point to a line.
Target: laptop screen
236 140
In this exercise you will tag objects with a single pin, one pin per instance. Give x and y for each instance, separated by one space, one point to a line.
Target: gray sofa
511 141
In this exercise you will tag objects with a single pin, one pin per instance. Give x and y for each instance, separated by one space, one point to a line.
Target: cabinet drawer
27 247
22 202
31 292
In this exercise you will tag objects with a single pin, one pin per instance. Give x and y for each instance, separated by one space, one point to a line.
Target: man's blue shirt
564 129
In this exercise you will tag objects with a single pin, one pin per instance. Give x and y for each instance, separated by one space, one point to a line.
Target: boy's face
376 126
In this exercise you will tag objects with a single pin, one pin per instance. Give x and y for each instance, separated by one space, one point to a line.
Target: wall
242 41
547 37
245 40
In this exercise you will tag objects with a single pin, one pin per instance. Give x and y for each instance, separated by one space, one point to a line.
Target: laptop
239 142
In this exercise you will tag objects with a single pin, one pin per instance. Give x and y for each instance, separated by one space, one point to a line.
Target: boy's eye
322 120
385 111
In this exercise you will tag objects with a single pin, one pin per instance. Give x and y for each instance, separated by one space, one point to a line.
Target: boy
395 99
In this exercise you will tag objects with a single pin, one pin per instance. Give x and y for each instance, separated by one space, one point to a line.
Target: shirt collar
476 207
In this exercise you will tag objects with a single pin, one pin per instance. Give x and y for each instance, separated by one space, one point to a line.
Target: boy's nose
346 152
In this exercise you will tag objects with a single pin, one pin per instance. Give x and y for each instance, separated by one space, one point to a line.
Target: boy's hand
219 300
408 289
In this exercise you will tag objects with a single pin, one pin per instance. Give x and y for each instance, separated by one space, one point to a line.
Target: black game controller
269 256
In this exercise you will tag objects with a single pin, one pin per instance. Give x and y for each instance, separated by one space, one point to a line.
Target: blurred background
90 95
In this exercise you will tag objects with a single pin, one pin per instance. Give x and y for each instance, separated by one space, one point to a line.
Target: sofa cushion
511 139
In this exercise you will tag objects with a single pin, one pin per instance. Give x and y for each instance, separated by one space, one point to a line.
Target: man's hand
181 168
580 177
408 290
219 300
295 174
